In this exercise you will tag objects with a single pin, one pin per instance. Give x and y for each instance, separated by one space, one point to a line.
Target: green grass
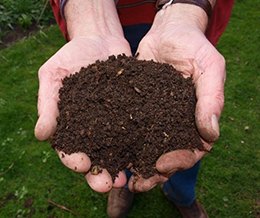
23 14
228 184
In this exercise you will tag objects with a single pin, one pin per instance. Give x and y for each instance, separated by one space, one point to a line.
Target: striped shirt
136 17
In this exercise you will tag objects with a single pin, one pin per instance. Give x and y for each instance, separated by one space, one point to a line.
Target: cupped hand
185 46
79 52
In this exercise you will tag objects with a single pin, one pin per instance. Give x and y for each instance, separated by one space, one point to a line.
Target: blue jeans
180 188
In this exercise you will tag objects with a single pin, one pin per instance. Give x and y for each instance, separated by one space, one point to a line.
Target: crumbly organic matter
125 110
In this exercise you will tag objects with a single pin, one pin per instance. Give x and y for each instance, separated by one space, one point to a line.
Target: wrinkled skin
188 50
69 59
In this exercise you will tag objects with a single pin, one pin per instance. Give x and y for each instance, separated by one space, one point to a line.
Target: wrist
186 15
92 18
206 5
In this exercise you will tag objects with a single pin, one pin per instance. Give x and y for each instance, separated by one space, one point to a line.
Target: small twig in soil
137 90
120 72
61 207
7 169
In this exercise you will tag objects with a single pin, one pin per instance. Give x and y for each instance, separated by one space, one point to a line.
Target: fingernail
215 127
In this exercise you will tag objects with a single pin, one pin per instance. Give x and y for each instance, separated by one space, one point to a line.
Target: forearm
95 17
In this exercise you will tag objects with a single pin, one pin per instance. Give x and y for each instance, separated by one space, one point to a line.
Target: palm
187 50
79 52
191 53
69 59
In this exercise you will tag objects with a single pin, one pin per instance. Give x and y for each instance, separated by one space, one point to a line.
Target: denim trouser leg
180 188
128 174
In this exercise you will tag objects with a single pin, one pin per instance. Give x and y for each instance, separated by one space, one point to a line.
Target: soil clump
125 110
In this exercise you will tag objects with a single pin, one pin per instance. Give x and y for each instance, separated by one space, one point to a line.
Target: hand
180 41
95 33
69 59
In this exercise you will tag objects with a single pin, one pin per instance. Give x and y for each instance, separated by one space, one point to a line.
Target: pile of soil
125 110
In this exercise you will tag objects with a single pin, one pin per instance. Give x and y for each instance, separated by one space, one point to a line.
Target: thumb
46 124
210 96
47 106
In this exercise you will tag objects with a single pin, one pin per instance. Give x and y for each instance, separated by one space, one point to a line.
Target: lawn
33 182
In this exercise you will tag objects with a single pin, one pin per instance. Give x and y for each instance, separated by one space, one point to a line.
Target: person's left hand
182 43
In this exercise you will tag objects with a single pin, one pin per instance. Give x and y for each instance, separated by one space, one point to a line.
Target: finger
178 160
120 180
101 182
210 96
139 184
79 162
